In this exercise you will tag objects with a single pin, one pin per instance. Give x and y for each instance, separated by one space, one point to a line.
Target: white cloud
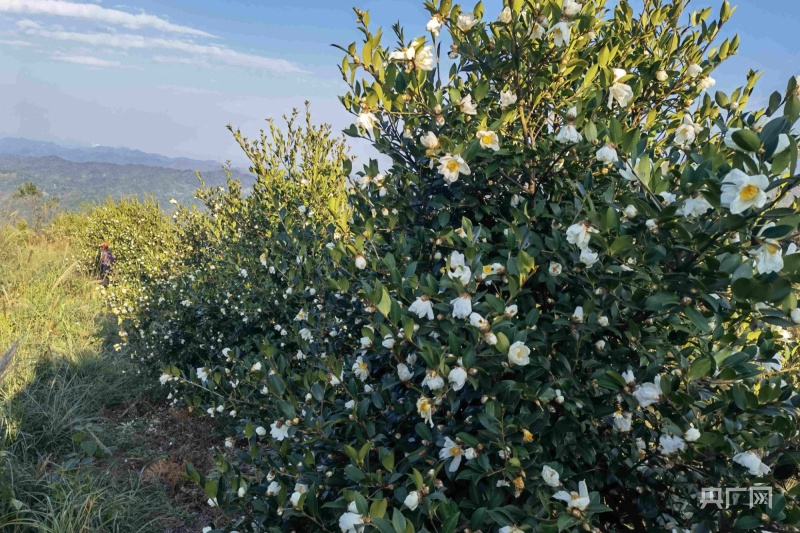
89 61
177 89
15 42
93 12
220 54
178 60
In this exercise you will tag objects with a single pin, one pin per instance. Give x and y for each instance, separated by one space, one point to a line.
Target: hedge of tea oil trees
246 314
575 274
142 240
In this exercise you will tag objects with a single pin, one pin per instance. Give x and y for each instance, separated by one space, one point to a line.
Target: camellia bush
565 305
249 262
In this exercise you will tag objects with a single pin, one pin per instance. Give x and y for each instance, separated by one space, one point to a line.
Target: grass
73 457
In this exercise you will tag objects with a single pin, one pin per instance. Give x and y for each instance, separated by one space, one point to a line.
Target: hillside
15 146
74 183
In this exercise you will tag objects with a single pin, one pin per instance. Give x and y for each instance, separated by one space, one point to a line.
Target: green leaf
354 473
385 304
746 140
699 369
378 508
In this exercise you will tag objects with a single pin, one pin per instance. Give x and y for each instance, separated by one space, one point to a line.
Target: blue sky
166 76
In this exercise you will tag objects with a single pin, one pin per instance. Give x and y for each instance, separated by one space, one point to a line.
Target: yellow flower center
574 496
455 450
452 166
772 249
487 269
527 436
424 406
749 192
519 483
487 139
362 366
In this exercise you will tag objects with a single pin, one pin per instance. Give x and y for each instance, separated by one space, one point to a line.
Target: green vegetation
71 458
77 183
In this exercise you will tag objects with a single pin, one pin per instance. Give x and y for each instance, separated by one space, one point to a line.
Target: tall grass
61 375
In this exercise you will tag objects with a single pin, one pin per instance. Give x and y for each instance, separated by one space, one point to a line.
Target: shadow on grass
78 452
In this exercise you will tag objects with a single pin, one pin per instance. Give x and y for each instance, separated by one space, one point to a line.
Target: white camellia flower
740 191
559 397
462 306
451 450
539 28
560 33
667 197
695 206
451 166
202 374
510 529
457 378
412 500
507 98
403 372
279 430
630 211
349 404
434 25
620 92
422 307
669 444
662 76
648 393
406 54
577 315
622 422
351 521
511 311
752 462
477 321
388 341
568 134
164 378
706 82
361 262
519 354
488 140
628 376
687 132
429 140
602 321
575 500
555 269
691 435
600 345
433 380
425 408
256 367
550 476
467 106
425 60
457 259
795 314
571 8
466 21
273 489
588 257
505 16
768 257
261 431
579 234
360 369
607 154
367 121
694 70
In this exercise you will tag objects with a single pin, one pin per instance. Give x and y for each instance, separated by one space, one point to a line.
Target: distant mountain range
14 146
84 175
